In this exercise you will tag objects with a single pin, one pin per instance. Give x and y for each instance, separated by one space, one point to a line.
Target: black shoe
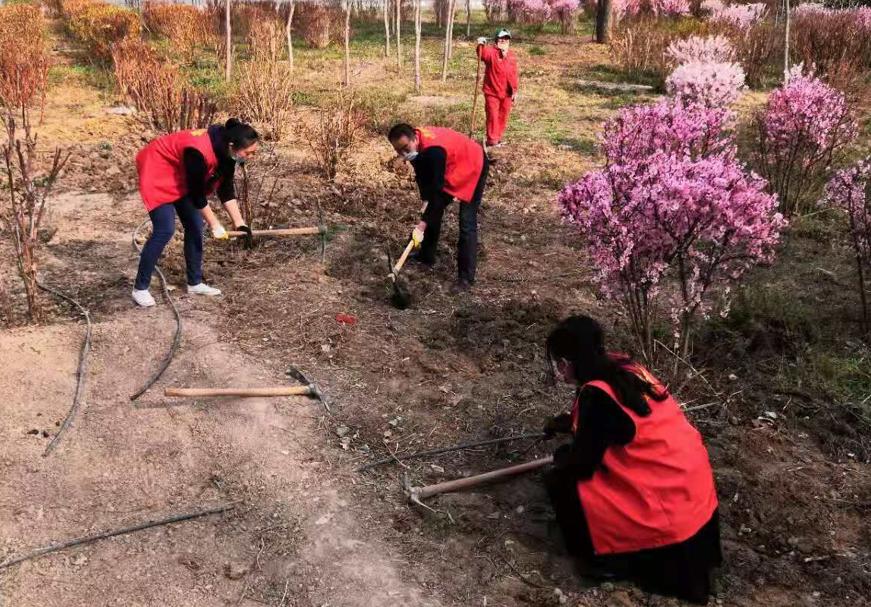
461 286
425 261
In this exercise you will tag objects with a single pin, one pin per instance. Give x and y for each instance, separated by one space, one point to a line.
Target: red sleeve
486 52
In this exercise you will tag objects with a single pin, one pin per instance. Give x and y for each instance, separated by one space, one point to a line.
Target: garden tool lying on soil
308 389
416 494
401 297
321 229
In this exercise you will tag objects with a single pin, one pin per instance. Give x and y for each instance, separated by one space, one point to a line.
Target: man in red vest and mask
447 165
500 84
633 491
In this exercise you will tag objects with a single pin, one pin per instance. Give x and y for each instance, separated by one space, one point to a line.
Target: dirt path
296 527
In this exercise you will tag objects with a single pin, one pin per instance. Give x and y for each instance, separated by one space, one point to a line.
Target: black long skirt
681 570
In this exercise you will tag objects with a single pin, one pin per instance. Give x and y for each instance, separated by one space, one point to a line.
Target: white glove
219 233
417 237
482 40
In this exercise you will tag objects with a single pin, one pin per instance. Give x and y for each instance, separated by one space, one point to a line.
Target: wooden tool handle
279 391
403 257
479 479
278 233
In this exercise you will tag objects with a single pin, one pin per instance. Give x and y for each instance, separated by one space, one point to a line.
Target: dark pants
163 222
682 570
467 245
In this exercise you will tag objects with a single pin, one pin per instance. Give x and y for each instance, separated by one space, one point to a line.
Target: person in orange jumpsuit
500 84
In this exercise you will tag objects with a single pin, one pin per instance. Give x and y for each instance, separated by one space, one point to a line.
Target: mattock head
314 390
323 228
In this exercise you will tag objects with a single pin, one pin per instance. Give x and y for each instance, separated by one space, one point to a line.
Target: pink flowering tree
706 83
673 219
803 130
739 16
849 190
708 49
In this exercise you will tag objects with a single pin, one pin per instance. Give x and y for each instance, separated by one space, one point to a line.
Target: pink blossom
810 8
712 6
706 83
847 191
741 16
804 125
715 49
670 8
666 209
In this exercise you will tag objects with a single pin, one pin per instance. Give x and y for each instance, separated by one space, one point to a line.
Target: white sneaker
203 289
143 298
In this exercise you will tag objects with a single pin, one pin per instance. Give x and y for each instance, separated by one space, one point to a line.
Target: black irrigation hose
176 340
81 372
99 536
484 443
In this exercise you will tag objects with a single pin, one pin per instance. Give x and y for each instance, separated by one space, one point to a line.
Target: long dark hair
239 134
581 341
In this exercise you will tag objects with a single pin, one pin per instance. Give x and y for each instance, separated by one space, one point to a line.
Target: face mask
237 159
409 156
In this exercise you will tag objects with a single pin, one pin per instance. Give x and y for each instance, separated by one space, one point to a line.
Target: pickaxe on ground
416 494
315 392
321 229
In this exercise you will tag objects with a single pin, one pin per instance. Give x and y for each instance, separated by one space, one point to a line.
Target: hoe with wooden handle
416 494
310 390
321 229
401 297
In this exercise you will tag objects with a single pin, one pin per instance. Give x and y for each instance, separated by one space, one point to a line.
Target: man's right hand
482 40
417 237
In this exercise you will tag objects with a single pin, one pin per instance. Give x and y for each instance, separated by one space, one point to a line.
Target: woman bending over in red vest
634 491
176 174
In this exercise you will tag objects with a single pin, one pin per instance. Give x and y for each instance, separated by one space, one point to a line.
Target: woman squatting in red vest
176 174
634 491
447 165
500 84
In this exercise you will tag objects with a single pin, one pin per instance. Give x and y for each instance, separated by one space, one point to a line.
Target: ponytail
239 134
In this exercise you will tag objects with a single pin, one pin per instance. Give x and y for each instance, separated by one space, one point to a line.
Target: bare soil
306 528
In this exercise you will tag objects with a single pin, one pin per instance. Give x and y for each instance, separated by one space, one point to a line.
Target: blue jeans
163 222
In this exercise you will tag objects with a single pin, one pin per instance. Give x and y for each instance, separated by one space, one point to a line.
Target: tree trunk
398 33
468 18
448 34
417 46
603 22
229 40
387 28
347 42
287 32
786 43
452 9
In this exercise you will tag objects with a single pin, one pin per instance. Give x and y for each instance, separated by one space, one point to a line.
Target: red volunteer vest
161 170
465 159
655 491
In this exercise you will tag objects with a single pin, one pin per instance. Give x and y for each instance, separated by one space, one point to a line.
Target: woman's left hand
249 236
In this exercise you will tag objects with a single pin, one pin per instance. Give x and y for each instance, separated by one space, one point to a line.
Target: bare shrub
263 90
759 49
98 25
28 189
24 58
188 27
835 43
163 98
337 128
638 45
319 24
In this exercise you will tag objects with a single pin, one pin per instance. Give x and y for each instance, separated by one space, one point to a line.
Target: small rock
436 468
342 431
607 587
79 560
519 510
234 570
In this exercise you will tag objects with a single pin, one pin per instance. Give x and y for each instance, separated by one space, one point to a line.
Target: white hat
503 34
